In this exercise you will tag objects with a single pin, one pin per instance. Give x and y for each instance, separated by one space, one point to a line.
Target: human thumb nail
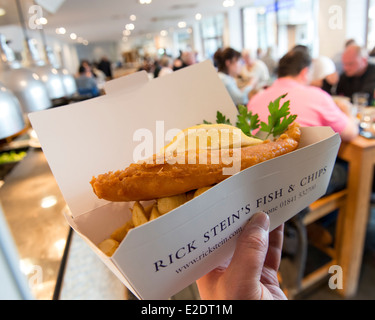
261 220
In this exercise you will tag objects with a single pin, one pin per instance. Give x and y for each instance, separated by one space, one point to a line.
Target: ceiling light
61 30
43 21
182 24
228 3
73 36
130 26
126 33
145 1
2 12
163 33
133 17
85 42
198 16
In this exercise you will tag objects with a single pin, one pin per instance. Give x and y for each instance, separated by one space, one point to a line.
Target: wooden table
360 154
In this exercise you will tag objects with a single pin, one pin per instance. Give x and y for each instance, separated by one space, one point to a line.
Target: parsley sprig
247 121
278 120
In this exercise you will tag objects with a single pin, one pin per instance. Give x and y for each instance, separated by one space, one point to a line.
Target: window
212 29
280 25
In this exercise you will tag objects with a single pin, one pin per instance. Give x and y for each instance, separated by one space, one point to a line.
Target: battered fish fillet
148 181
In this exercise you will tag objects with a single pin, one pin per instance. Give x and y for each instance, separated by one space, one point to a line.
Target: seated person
228 64
359 74
313 106
323 72
255 68
86 85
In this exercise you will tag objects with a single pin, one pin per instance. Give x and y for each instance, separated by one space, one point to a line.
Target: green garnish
246 121
220 118
278 120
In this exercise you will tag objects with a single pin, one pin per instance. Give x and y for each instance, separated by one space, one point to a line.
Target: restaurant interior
58 53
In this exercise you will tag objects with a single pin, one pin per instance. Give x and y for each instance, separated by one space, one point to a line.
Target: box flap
104 134
130 83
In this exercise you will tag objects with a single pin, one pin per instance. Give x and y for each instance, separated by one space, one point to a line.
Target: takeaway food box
135 119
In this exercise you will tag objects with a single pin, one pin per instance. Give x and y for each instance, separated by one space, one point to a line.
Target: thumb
251 249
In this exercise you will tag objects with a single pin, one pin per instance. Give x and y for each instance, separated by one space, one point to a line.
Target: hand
252 273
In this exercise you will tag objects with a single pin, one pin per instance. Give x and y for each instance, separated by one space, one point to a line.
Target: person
228 65
371 58
86 84
105 66
359 74
337 58
312 105
252 272
323 73
88 69
254 68
186 58
166 64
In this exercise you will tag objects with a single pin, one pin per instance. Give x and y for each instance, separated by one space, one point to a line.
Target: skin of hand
252 273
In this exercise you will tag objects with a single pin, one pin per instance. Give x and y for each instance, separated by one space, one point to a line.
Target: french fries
139 216
142 215
108 246
170 203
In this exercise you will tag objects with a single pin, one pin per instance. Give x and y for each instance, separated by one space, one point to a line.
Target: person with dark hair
86 84
227 62
105 66
312 105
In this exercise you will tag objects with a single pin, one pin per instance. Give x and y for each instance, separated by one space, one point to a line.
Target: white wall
356 16
340 20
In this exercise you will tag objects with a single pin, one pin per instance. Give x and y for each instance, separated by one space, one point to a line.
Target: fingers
251 249
275 247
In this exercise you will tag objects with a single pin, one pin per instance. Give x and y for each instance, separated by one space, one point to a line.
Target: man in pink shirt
313 106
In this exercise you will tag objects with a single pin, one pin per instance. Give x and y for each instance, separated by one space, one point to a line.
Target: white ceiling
104 20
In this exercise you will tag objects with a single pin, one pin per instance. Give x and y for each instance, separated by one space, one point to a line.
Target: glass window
280 25
212 29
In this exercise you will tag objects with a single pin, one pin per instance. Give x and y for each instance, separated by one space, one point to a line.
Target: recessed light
145 1
198 16
73 36
61 30
2 12
228 3
182 24
130 26
133 17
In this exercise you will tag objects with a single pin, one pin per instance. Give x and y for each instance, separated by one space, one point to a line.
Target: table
360 154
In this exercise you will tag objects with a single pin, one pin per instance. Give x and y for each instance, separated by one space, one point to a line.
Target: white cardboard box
164 256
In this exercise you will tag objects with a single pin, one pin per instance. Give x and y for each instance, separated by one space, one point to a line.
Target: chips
142 215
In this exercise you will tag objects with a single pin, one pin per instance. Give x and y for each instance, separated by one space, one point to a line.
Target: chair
320 240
